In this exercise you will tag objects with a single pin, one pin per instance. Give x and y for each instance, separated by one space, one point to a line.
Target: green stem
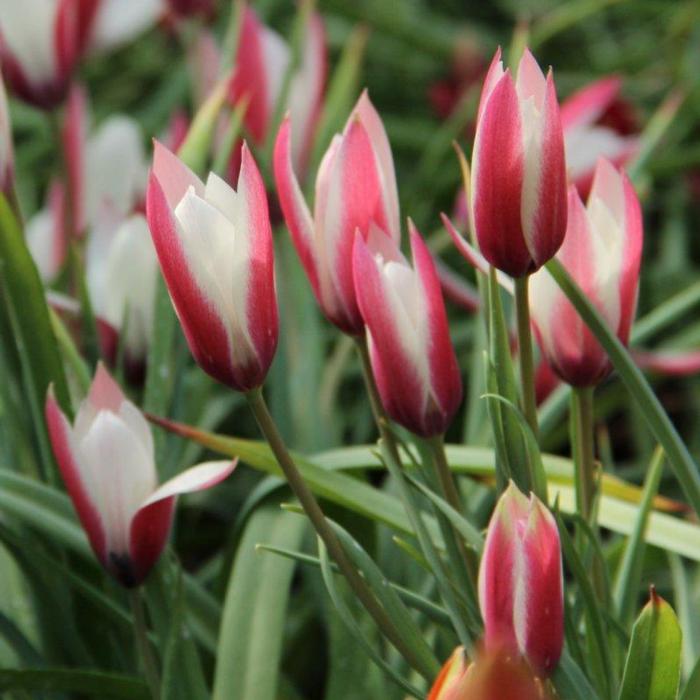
582 439
145 651
527 367
325 532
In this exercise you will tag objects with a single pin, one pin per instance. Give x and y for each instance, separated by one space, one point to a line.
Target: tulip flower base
236 459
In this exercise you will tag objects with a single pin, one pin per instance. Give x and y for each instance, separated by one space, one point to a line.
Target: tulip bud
593 129
413 360
7 154
449 682
355 190
215 250
122 272
106 460
520 581
602 252
40 43
262 60
518 171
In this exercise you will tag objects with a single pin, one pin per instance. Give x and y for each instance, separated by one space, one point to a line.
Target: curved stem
527 370
326 533
150 667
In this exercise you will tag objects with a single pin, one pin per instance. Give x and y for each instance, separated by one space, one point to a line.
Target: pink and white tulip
518 170
520 581
413 361
602 252
261 64
41 42
118 22
355 190
107 463
215 250
589 133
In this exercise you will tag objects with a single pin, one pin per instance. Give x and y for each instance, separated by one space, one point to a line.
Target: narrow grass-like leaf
570 681
653 667
96 684
254 613
692 687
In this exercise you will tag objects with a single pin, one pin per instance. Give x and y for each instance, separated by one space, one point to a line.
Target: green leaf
570 681
692 687
685 468
254 613
653 666
96 684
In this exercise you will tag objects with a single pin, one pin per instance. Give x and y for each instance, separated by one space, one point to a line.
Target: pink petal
497 177
74 137
105 394
493 76
296 212
60 435
262 321
445 378
587 104
530 81
173 176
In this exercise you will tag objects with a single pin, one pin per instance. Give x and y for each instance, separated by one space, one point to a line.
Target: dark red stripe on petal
149 532
59 433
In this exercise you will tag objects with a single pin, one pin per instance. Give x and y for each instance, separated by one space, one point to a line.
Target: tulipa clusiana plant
414 478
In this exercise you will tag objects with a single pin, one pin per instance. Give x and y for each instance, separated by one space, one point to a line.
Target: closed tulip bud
40 43
518 171
262 60
106 461
413 360
355 190
602 252
215 250
520 581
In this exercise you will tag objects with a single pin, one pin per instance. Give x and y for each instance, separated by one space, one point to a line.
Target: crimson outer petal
74 136
262 320
294 208
206 333
497 176
549 223
586 105
60 435
445 377
543 626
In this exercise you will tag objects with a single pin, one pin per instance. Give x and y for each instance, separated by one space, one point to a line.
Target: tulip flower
355 189
602 252
261 63
107 463
413 360
40 43
118 22
520 581
215 250
518 171
596 124
122 273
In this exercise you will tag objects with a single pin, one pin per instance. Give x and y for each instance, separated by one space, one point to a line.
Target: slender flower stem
145 651
527 370
582 439
325 531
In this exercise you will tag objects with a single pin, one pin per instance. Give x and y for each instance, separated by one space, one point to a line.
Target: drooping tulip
41 42
107 463
596 124
355 190
520 581
215 250
518 172
602 252
261 64
413 360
